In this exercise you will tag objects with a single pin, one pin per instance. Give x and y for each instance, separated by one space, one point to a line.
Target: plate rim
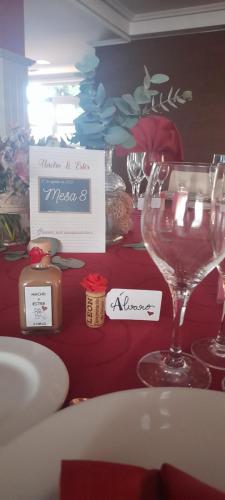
29 349
30 441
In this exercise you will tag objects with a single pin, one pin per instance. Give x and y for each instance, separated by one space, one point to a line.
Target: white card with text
67 197
133 304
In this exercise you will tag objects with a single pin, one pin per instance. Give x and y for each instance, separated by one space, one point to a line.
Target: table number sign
67 197
133 304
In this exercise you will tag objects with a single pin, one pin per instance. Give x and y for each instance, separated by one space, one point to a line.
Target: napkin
177 485
158 136
87 480
90 480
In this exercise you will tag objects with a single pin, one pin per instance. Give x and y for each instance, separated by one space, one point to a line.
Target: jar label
38 306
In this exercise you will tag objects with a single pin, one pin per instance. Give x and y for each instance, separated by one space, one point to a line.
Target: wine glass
211 350
176 224
218 158
135 170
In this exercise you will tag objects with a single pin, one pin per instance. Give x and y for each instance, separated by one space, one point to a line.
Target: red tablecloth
104 360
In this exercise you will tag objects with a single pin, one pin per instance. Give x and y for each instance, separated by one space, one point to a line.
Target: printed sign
133 304
64 195
67 197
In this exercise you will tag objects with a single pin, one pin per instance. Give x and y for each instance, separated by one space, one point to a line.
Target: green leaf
108 112
180 100
129 143
87 104
109 101
117 135
187 95
92 128
159 78
143 96
13 257
124 106
88 63
135 108
91 143
130 121
100 94
162 105
147 79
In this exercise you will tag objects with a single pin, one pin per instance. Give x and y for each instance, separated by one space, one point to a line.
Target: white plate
145 427
33 384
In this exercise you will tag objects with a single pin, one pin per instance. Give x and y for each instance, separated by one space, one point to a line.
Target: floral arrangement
14 184
14 152
108 121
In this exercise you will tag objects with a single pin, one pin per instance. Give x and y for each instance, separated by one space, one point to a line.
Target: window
52 109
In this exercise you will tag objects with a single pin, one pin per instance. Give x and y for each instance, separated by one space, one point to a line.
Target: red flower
94 283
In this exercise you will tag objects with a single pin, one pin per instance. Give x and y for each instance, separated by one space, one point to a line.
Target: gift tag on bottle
133 304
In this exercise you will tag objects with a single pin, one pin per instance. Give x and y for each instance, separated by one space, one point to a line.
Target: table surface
104 360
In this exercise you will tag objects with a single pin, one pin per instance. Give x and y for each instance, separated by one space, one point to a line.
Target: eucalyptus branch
171 100
109 121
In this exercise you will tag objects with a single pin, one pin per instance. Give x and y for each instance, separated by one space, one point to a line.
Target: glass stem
138 185
180 300
220 338
134 195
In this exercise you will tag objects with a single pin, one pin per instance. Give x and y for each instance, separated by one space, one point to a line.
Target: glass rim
198 163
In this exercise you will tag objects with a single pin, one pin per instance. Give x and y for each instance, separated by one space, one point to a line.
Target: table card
67 197
133 304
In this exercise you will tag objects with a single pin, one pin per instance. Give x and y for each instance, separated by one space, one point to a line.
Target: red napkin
177 485
87 480
158 136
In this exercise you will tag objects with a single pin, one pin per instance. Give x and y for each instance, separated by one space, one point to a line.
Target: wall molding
113 20
127 25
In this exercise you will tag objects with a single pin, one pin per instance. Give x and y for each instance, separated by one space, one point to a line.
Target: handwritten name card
67 197
133 304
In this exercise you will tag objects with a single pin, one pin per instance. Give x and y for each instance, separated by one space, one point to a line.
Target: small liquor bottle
40 295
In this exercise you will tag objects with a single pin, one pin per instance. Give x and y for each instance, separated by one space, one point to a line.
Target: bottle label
38 306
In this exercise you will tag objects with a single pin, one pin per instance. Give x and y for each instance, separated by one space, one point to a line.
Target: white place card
67 197
133 304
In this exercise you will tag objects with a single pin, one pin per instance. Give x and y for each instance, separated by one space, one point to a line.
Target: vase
118 203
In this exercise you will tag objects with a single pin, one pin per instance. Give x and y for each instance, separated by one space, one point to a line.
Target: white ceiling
62 31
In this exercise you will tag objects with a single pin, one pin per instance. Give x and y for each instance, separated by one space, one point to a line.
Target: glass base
153 371
211 353
223 384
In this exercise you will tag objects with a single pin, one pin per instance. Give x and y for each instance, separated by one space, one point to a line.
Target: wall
193 61
12 26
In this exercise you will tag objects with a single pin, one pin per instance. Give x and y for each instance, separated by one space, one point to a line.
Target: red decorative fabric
90 480
177 485
158 136
86 480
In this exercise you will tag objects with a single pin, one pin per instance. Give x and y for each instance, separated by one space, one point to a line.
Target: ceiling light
42 61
